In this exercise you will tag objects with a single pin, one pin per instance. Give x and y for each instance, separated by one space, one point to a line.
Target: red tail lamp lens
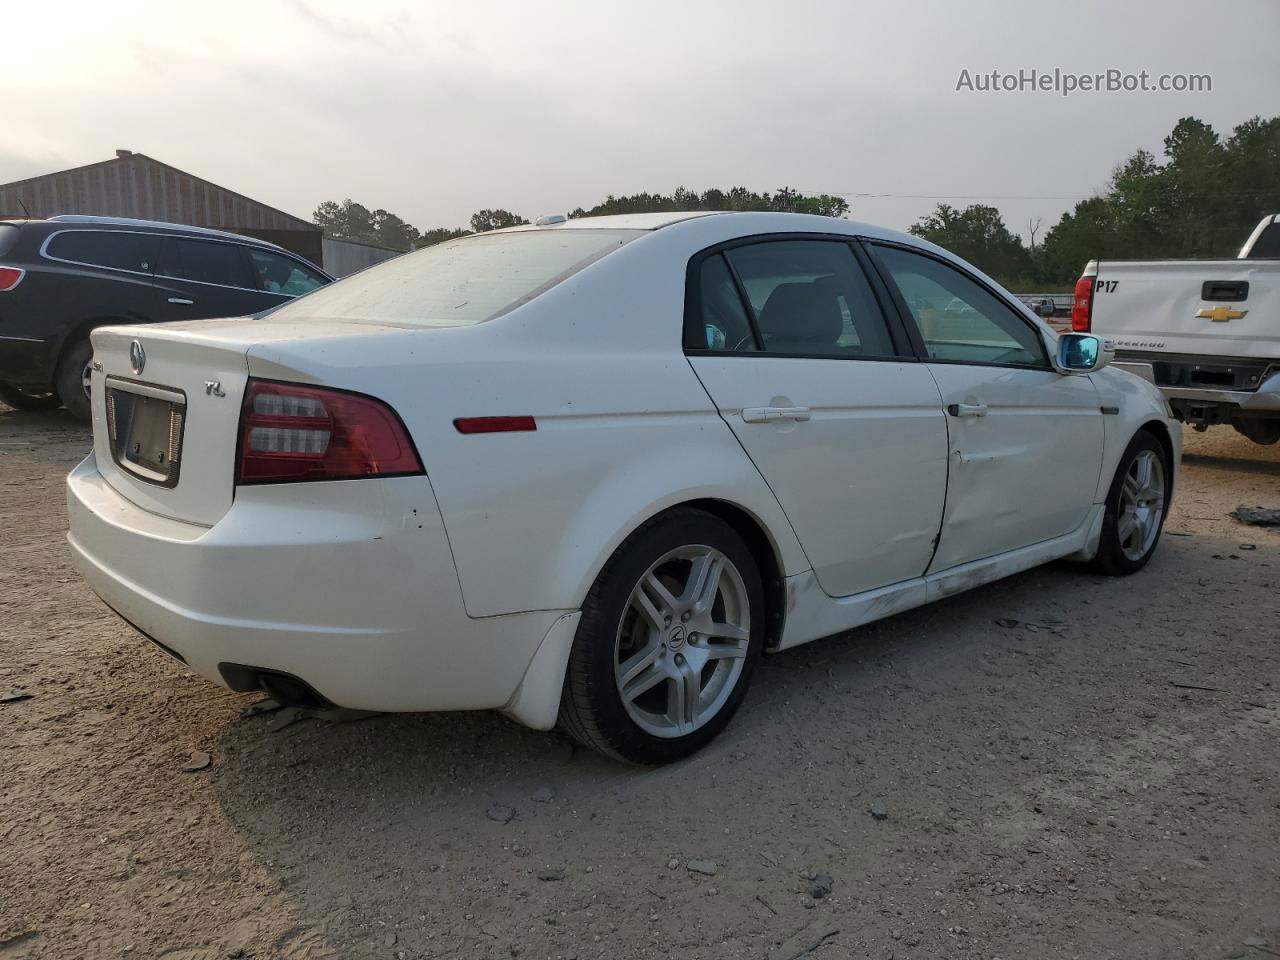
291 432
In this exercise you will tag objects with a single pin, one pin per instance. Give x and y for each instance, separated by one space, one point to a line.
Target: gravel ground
1098 779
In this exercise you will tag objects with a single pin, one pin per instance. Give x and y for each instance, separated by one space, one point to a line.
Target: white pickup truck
1206 332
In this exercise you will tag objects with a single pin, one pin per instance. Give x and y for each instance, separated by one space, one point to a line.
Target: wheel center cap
676 638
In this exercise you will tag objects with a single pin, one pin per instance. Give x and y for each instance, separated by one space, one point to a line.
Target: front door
846 428
1025 441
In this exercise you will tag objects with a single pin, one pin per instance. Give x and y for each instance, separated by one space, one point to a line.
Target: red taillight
10 277
494 424
1082 305
291 432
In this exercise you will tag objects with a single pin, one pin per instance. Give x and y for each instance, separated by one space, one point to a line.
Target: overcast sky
433 110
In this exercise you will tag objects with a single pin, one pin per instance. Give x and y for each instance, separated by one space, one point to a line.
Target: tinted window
723 321
8 234
276 273
459 282
206 261
106 248
1268 244
811 297
959 319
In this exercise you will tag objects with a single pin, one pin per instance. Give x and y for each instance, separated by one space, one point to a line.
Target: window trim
162 236
45 254
921 349
692 331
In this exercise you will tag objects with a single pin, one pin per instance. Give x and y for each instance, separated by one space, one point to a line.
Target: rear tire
1136 508
669 636
73 379
1265 432
22 400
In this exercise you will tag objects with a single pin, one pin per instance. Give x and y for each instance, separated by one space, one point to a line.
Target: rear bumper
1265 398
349 587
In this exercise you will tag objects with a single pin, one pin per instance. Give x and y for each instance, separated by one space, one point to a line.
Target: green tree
1200 201
349 220
978 234
484 220
735 198
439 235
390 231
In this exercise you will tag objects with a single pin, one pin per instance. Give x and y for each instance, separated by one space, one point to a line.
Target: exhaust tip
284 688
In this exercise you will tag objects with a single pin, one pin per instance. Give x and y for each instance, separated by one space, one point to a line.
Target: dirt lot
1104 784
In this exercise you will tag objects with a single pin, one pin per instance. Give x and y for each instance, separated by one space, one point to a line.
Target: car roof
743 221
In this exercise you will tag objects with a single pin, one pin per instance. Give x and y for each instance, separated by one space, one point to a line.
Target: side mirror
1082 353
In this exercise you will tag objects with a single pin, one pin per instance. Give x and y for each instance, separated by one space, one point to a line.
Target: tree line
354 221
1200 199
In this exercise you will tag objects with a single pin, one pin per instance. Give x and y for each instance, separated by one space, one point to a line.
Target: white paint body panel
1150 306
460 589
1025 472
826 471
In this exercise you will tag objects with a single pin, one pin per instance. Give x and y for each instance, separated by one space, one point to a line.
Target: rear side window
811 298
116 249
1268 244
206 261
277 273
724 321
460 282
8 235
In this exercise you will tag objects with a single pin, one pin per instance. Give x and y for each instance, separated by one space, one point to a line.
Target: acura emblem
137 357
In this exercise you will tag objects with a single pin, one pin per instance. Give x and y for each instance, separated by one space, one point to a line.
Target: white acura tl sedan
586 472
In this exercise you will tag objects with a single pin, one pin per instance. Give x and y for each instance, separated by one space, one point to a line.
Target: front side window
116 249
206 261
811 298
277 273
959 320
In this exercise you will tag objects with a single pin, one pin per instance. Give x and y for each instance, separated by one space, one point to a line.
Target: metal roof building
135 185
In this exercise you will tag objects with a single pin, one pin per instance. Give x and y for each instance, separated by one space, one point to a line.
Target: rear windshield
459 282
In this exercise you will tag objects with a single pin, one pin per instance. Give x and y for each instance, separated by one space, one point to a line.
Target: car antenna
24 208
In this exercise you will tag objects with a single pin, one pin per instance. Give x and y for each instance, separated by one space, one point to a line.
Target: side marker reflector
494 424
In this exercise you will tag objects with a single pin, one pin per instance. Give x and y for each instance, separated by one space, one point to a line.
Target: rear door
791 342
1025 441
199 279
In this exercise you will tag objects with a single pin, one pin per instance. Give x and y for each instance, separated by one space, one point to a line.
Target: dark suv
61 277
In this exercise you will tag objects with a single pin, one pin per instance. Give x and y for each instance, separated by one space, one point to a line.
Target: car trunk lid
166 407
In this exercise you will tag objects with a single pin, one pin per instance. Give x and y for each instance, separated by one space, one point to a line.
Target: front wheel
669 636
22 400
1135 508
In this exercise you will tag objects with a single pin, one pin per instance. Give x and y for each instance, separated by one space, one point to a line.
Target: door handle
967 409
769 414
181 300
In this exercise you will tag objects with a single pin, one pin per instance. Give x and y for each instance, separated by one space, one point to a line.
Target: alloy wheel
682 641
1141 505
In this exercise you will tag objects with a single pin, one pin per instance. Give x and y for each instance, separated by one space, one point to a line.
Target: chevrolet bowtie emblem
1220 314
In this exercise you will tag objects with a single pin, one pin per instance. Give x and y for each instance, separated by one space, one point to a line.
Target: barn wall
135 185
